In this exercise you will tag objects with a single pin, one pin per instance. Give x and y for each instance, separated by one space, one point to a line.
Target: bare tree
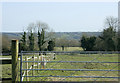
41 34
41 25
111 22
109 35
31 28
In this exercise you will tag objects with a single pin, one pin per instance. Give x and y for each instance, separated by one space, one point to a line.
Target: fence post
32 70
34 60
26 59
14 50
33 65
38 63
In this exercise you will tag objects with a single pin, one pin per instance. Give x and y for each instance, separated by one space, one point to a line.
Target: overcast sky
60 16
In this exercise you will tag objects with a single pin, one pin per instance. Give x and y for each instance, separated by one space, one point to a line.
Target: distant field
68 49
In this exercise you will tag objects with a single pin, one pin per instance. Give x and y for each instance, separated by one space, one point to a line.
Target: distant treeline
37 37
67 39
109 40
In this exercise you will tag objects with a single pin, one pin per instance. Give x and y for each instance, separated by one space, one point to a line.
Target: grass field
6 68
68 49
78 57
6 56
6 71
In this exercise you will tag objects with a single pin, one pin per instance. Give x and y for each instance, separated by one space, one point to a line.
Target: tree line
109 40
35 38
38 36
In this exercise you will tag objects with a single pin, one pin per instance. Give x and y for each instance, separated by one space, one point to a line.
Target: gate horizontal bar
71 69
69 62
81 52
75 76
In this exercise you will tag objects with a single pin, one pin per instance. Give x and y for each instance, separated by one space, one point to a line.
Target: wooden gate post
14 51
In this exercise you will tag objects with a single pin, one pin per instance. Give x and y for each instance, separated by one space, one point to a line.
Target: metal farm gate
69 66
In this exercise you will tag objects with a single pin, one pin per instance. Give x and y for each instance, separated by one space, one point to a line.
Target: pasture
6 73
68 49
76 57
6 68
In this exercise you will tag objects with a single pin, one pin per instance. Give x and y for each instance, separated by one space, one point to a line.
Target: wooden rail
6 61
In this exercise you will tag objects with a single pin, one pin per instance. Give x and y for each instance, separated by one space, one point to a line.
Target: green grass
78 57
6 68
68 49
6 71
6 56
